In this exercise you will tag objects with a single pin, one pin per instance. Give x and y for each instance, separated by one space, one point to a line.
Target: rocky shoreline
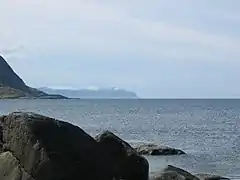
36 147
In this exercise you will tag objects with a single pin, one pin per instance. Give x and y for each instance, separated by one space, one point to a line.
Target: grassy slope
10 93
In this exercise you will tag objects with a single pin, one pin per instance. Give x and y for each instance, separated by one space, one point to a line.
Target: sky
157 48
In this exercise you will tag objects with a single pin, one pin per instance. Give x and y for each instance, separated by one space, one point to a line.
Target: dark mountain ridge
9 78
12 86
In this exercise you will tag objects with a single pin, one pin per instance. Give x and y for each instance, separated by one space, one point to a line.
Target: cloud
101 27
11 51
155 47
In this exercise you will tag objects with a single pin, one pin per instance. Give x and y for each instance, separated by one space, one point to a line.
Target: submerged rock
174 173
49 149
210 177
156 150
127 163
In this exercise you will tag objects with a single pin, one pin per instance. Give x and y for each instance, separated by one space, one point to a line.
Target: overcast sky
157 48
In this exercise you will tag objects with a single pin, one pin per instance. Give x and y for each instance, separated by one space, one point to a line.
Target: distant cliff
110 93
12 86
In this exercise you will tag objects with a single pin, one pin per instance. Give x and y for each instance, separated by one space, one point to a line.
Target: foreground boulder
125 160
49 149
155 150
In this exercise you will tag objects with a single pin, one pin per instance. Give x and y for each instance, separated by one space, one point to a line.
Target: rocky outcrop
125 160
156 150
49 149
12 86
175 173
41 148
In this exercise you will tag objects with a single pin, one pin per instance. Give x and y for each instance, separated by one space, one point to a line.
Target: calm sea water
207 130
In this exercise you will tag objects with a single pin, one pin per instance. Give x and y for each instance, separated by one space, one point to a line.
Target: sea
207 130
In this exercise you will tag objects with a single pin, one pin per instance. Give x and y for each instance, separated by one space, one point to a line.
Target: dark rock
210 177
125 160
174 173
49 149
155 150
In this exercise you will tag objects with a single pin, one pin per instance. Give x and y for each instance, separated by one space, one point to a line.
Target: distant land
12 86
106 93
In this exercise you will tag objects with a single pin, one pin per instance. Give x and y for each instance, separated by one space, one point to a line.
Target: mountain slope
9 78
12 86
